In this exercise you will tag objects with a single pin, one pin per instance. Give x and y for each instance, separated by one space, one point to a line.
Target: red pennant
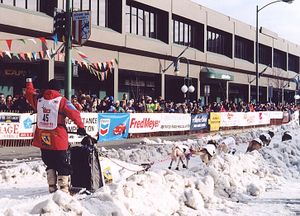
22 55
43 40
82 55
9 42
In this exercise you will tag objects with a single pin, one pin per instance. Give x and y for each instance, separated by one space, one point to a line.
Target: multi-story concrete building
145 37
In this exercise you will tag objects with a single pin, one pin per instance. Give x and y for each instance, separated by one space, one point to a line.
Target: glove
28 80
81 131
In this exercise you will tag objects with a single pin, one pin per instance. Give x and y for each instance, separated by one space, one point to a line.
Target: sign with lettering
81 26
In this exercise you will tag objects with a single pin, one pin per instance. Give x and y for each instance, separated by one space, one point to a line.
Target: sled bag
86 168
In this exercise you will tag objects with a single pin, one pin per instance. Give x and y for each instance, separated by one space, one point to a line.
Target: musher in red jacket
51 134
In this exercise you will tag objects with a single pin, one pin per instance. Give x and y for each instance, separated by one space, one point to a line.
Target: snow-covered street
263 182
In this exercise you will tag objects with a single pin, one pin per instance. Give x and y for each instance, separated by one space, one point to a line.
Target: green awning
213 73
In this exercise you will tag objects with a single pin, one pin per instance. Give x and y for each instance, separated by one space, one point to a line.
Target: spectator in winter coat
3 106
51 134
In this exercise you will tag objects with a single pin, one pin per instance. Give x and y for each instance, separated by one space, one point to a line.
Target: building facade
145 37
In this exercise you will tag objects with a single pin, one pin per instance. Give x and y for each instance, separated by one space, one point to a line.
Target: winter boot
52 180
63 183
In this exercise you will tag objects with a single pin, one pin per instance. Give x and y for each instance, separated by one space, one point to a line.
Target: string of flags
98 69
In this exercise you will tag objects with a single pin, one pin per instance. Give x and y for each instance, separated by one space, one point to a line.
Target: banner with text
17 125
144 122
199 121
90 121
175 122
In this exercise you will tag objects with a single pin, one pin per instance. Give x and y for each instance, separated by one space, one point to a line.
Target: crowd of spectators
145 104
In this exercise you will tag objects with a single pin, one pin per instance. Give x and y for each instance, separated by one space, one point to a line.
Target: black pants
57 160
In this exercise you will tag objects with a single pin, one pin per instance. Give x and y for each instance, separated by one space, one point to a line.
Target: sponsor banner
90 121
214 121
263 118
17 126
144 122
199 121
230 119
254 118
286 117
175 122
275 114
113 126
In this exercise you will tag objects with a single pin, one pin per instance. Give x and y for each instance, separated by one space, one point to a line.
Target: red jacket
56 139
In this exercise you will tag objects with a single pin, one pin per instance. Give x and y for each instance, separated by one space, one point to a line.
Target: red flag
22 55
43 40
9 42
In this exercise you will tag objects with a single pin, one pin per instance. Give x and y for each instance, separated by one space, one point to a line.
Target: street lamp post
257 45
187 87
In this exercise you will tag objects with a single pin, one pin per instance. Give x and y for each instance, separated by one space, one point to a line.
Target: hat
54 85
73 96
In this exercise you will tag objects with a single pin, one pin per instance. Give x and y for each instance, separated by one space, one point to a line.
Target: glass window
133 20
140 19
86 5
146 22
8 2
127 18
102 13
219 42
20 4
77 4
152 26
176 30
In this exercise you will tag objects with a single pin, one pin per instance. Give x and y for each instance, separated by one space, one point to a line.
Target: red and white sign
144 122
17 126
90 121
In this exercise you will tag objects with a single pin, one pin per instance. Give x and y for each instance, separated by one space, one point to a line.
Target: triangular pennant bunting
8 54
32 40
22 55
9 42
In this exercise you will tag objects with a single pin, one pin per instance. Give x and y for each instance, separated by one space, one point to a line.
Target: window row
144 20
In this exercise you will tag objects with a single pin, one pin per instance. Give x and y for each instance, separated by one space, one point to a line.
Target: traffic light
59 25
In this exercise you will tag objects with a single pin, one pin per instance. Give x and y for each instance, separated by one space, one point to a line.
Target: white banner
275 114
16 126
144 122
254 118
175 122
90 121
230 119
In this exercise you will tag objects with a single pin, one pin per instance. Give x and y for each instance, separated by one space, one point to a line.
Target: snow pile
221 188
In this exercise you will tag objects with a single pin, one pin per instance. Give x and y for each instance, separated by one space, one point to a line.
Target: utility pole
68 48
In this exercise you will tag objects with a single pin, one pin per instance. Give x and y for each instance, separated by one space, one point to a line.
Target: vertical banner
113 126
215 121
199 121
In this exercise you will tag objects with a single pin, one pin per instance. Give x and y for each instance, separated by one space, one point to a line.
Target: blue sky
281 18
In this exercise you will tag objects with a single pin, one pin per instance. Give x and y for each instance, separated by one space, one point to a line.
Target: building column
51 64
116 83
198 89
227 91
249 92
162 89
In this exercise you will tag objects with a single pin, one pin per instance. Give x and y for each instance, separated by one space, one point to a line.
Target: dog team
181 153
